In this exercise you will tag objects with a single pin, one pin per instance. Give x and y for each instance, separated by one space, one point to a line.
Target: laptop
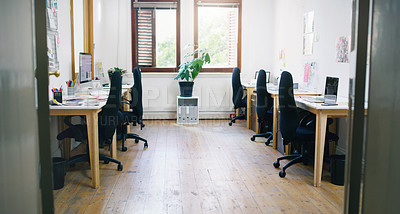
331 89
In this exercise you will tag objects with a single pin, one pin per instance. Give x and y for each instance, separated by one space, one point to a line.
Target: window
155 35
217 29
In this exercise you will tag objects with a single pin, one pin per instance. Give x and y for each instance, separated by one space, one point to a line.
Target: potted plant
189 70
111 70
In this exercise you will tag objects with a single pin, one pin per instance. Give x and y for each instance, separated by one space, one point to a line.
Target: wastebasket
58 172
337 169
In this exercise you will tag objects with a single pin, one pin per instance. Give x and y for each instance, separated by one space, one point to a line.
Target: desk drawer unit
187 110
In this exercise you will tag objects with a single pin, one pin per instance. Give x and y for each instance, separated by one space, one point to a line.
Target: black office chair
237 98
107 124
135 115
293 128
264 108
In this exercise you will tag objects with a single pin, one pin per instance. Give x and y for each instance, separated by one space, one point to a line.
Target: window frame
134 39
239 45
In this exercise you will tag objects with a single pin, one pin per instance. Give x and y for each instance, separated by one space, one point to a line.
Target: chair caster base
136 140
120 167
230 123
146 145
124 149
276 164
282 174
252 138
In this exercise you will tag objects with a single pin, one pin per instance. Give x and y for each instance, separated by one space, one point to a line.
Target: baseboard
162 115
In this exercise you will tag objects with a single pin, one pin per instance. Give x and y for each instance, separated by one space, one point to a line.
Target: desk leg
274 124
92 127
126 108
320 133
249 92
114 146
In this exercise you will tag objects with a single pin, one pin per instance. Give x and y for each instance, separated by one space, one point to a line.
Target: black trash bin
337 169
58 172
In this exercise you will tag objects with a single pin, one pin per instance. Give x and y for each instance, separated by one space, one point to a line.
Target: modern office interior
293 106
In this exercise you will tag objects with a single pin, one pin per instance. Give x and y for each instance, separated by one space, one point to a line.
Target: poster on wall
308 43
308 33
308 22
343 49
282 57
310 71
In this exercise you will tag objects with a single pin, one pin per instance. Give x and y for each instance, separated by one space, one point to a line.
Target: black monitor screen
331 86
85 67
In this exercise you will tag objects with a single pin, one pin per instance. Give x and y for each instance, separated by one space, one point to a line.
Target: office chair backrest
237 88
108 117
264 99
289 116
136 94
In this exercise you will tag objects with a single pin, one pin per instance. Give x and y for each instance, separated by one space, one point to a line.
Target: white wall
258 23
160 89
332 19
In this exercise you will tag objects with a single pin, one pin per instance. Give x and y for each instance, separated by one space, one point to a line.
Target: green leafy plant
118 69
190 68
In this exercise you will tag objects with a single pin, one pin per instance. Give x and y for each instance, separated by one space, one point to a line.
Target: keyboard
317 99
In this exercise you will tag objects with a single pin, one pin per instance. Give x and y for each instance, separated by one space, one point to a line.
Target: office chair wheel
282 174
253 138
124 149
106 161
230 123
120 167
136 140
276 164
146 145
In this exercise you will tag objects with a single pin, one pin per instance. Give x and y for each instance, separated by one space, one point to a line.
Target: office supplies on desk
57 94
71 91
314 99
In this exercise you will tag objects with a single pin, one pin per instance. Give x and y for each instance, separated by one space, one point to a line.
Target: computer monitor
331 89
85 67
267 74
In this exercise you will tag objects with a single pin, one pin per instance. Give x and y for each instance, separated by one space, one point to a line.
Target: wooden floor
205 168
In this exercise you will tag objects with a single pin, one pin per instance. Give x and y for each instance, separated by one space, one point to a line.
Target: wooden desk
91 113
322 113
249 88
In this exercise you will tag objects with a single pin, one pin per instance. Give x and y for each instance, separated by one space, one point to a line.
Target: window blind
145 41
219 4
154 5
